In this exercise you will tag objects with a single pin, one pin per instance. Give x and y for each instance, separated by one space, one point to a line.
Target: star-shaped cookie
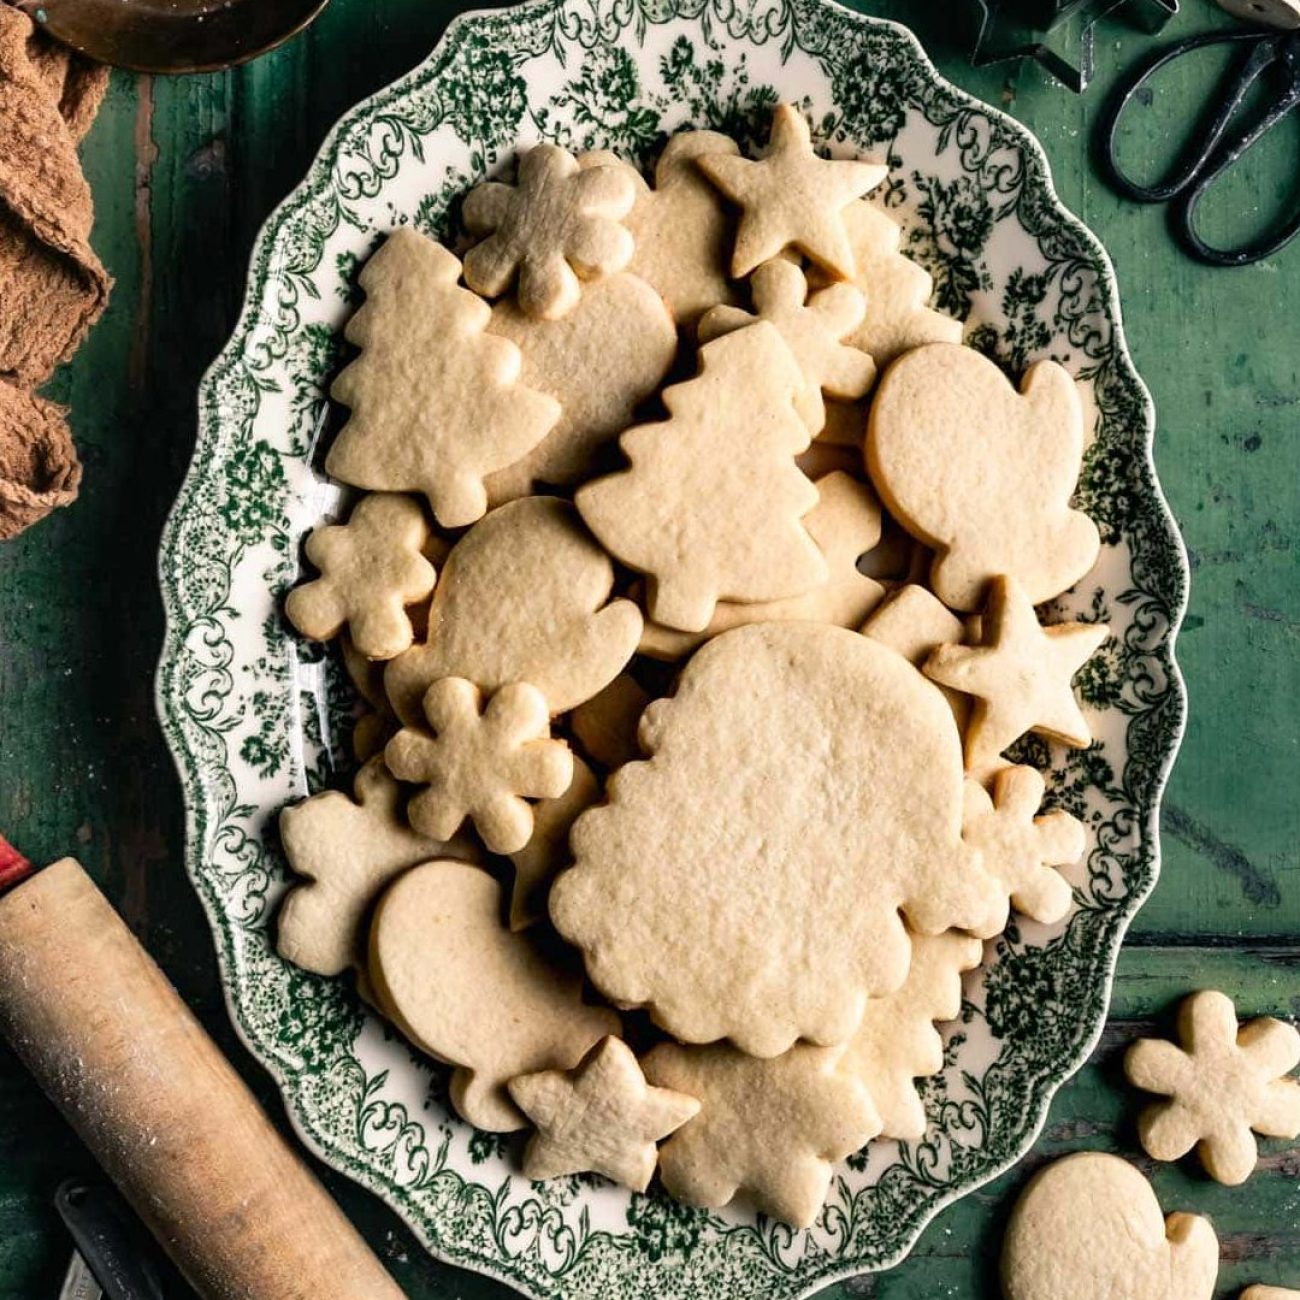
1220 1084
791 197
1020 675
600 1116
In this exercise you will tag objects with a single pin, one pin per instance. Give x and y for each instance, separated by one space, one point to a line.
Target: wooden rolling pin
107 1037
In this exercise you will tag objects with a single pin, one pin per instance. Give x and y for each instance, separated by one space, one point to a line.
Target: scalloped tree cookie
983 473
523 597
791 198
770 1128
600 362
371 569
1220 1084
1089 1226
347 850
1020 675
897 1041
812 326
804 787
845 524
711 506
556 225
471 993
601 1116
436 401
480 762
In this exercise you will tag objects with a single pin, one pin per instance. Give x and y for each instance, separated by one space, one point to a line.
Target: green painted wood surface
185 171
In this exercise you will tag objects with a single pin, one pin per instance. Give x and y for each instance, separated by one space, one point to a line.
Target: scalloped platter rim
254 718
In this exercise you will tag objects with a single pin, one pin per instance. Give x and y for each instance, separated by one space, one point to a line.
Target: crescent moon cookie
791 198
834 800
1089 1225
1220 1084
983 473
471 993
437 402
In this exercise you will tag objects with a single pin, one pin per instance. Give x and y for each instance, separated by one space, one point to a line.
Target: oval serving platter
254 717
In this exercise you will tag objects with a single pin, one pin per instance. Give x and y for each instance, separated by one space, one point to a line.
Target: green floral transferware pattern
254 717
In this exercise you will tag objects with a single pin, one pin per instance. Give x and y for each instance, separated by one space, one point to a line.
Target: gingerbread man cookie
558 223
983 473
437 402
1222 1083
470 992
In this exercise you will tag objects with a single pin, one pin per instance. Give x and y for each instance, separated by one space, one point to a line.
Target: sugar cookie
480 761
1021 848
599 362
824 458
371 569
547 850
898 317
981 472
522 598
606 725
600 1116
1089 1225
1020 675
1269 1293
682 229
769 1128
557 223
347 850
466 990
834 789
711 505
1220 1084
436 401
812 326
845 524
791 198
897 1041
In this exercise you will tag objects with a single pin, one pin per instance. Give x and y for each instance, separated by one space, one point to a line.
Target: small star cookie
481 763
601 1116
558 222
812 327
1220 1084
791 197
1020 675
371 569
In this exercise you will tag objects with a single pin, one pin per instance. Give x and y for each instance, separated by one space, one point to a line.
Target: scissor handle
1287 50
1261 56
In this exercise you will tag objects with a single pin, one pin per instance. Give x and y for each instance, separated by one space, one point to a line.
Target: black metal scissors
1228 136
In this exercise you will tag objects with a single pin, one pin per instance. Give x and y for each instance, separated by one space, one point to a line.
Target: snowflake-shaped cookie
791 198
600 1116
371 569
481 763
812 327
1220 1084
557 222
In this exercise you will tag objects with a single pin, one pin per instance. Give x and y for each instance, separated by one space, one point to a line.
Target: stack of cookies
691 599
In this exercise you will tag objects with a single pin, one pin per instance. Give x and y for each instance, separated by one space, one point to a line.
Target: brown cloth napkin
52 286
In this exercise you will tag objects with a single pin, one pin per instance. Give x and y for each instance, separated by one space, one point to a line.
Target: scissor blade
80 1282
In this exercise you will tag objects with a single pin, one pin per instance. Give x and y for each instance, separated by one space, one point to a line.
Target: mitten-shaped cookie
524 597
436 401
468 991
983 473
1090 1226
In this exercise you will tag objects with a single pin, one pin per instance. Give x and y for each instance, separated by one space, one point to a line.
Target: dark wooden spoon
172 35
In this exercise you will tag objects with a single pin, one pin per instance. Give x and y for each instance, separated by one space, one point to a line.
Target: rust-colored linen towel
52 286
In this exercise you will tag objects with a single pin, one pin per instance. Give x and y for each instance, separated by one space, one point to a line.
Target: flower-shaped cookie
791 198
1220 1084
557 222
481 763
812 328
600 1116
371 568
